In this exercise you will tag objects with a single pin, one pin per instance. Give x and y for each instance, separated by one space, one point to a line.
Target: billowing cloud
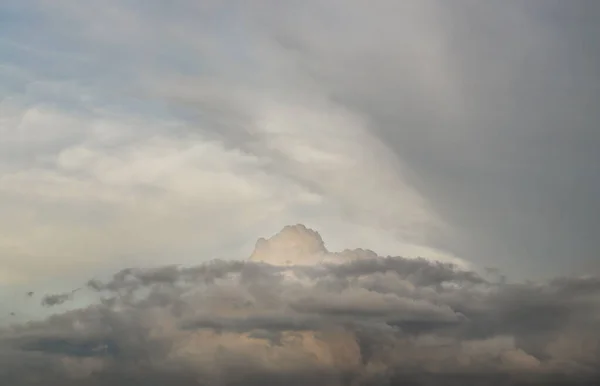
297 313
146 133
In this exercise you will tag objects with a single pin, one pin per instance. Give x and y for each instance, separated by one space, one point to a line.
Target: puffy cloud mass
298 314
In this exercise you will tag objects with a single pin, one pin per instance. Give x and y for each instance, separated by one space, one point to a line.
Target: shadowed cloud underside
297 313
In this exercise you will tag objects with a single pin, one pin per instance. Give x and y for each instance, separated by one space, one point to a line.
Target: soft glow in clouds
115 191
145 133
460 130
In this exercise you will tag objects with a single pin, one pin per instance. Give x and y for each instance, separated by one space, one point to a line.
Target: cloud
57 299
100 189
290 314
463 133
473 100
198 133
448 122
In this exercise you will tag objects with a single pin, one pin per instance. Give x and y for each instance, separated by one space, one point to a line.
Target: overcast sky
147 133
153 132
144 133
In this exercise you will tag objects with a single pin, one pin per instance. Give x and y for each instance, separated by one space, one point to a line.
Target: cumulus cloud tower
293 245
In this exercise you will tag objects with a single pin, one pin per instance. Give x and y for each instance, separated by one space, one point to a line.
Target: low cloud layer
298 314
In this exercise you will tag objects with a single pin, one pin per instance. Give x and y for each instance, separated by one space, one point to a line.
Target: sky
146 134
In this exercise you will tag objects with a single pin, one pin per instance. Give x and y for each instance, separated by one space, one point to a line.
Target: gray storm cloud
296 313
